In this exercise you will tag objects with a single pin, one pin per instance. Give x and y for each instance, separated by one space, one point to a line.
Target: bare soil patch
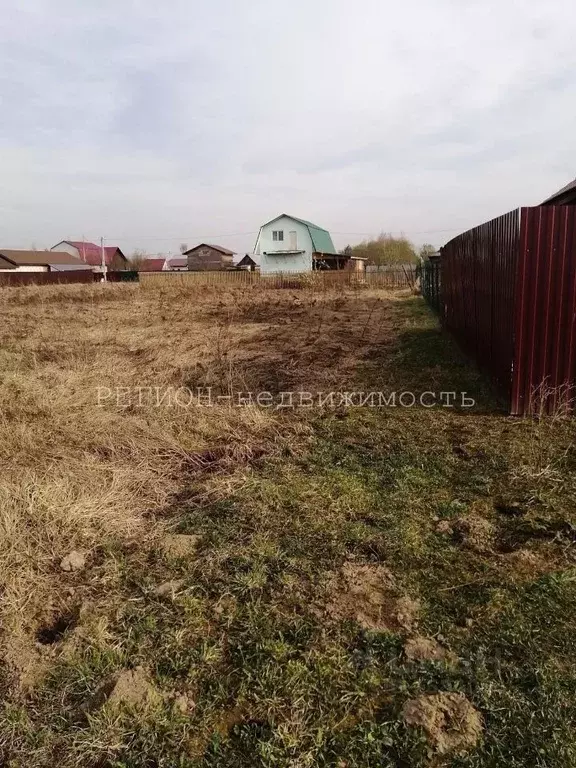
179 544
421 648
472 531
449 720
369 595
129 688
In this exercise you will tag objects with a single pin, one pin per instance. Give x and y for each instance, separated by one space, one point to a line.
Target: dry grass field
188 585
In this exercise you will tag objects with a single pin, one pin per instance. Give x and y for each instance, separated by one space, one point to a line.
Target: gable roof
178 262
152 265
564 196
225 251
39 258
321 238
247 261
91 253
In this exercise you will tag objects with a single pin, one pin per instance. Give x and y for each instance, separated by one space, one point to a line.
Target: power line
173 237
402 231
110 238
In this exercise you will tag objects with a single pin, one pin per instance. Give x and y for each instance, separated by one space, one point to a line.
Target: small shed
247 263
209 257
356 264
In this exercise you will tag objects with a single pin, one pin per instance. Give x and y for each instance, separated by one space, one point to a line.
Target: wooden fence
321 280
430 281
390 279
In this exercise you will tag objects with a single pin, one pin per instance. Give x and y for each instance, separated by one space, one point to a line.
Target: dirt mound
525 560
426 649
524 565
178 545
183 704
450 722
368 594
473 531
24 661
131 687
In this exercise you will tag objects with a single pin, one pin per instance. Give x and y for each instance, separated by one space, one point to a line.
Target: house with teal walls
288 244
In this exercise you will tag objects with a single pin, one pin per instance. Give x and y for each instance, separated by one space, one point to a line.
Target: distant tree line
386 249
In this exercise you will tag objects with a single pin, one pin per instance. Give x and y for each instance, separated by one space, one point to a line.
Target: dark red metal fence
509 299
71 276
478 278
45 278
544 369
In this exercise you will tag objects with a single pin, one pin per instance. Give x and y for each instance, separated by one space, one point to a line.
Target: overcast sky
155 124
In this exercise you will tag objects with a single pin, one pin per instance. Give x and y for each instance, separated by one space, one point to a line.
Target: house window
278 235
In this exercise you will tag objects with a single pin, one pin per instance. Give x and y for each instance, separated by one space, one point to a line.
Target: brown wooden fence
390 279
509 299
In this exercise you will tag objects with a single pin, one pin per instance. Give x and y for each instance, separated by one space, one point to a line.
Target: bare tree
386 249
137 259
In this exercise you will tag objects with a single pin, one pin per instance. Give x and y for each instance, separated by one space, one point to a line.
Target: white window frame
278 235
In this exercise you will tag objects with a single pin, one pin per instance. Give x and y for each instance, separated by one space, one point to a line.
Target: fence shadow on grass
423 358
354 342
426 359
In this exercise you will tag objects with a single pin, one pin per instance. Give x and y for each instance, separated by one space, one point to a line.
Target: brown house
39 261
209 257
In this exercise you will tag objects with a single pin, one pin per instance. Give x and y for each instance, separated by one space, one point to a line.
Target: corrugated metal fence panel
45 278
478 281
544 375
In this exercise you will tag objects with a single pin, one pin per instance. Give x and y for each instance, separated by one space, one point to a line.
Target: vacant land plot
348 586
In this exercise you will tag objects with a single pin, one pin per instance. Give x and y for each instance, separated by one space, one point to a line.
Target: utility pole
103 258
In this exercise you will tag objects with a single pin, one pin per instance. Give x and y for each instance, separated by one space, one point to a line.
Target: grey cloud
133 117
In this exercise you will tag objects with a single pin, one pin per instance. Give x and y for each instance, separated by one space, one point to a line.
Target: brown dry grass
286 581
79 476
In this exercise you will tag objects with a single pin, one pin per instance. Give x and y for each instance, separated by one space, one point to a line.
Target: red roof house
152 265
91 254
